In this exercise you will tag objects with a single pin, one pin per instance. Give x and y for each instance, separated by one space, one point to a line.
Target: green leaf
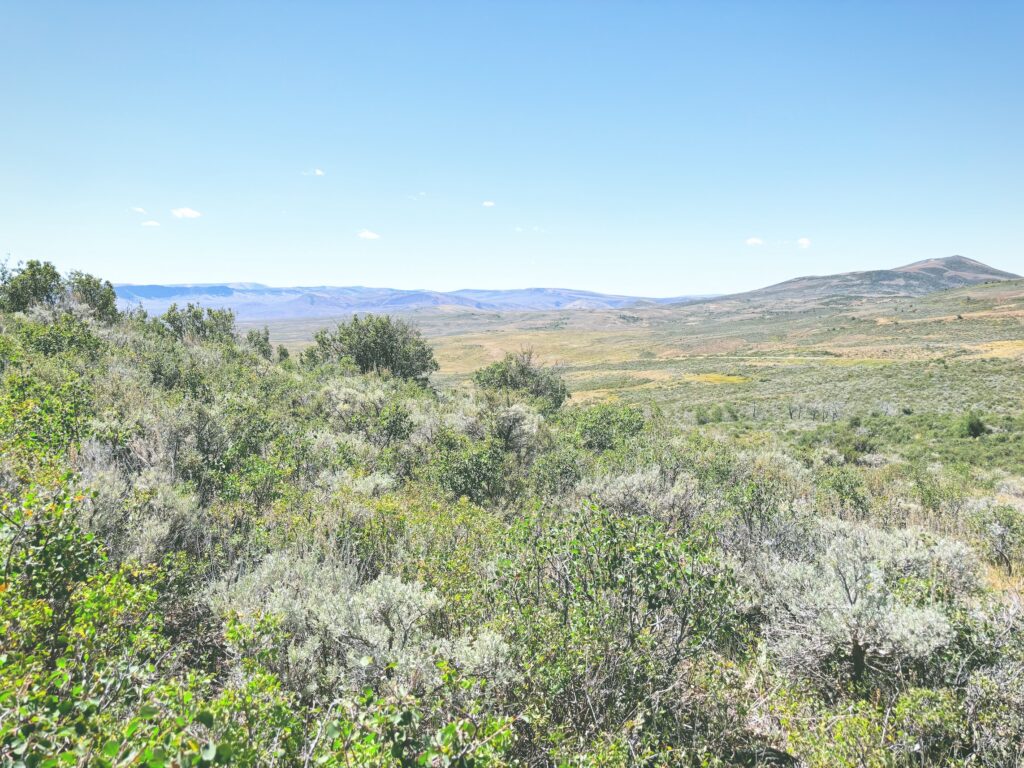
224 752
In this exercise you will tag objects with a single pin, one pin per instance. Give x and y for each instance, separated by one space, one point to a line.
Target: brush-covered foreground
217 554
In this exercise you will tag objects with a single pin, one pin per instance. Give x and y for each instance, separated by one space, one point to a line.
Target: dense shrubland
214 553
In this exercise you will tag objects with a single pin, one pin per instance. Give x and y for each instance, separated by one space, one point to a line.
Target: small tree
97 294
518 373
36 283
377 344
1001 531
259 341
193 323
972 426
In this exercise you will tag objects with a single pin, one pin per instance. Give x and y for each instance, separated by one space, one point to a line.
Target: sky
646 148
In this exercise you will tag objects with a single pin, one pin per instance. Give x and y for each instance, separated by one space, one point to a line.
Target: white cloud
754 241
488 203
150 224
185 213
314 172
139 210
368 235
804 242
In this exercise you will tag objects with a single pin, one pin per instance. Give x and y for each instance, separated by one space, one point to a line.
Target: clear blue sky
650 148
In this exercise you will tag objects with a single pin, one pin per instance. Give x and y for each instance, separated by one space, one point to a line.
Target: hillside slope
917 279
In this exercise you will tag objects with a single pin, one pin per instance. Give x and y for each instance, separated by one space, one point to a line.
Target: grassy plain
767 362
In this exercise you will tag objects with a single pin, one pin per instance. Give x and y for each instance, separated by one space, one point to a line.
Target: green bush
377 344
972 426
606 426
518 374
462 467
98 295
195 324
34 284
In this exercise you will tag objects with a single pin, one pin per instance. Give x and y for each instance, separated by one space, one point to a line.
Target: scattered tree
376 344
37 283
972 426
519 374
98 295
259 340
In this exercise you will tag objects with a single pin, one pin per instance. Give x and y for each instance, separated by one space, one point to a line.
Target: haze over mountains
255 302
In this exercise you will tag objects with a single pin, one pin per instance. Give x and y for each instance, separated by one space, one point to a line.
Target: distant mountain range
915 279
254 302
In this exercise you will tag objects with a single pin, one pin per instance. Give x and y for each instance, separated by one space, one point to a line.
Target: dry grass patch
715 378
1011 348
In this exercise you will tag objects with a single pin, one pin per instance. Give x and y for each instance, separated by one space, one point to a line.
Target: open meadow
764 369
